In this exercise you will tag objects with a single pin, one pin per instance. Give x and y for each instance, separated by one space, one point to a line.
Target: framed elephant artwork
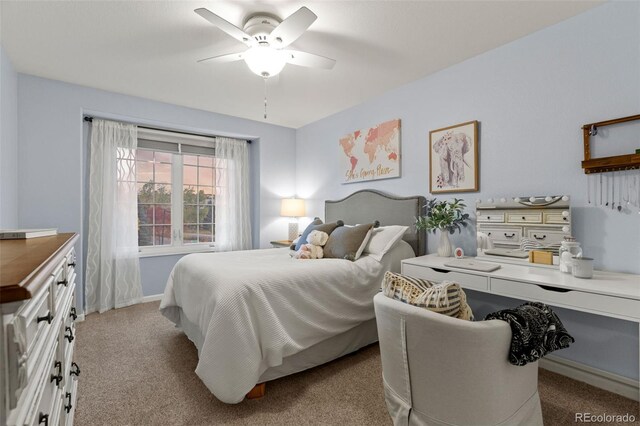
453 158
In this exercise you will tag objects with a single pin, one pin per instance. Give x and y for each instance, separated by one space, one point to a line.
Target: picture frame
453 159
371 154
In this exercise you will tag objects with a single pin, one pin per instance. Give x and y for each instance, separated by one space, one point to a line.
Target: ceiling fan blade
225 26
306 59
221 59
291 28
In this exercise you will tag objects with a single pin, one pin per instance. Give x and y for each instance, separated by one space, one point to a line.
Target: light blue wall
8 143
531 97
53 158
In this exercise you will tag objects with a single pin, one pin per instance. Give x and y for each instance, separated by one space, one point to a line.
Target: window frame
177 245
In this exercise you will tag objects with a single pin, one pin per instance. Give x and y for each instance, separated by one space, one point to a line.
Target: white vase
445 249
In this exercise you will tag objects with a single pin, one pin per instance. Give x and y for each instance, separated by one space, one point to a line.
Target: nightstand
281 243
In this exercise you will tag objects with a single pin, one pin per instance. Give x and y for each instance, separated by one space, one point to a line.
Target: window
176 185
154 184
198 179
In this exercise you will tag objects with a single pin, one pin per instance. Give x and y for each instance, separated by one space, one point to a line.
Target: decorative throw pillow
317 225
346 242
382 239
444 298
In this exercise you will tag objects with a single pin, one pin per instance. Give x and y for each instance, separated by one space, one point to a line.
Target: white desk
607 293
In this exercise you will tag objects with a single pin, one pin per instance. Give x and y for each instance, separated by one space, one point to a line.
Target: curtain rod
90 120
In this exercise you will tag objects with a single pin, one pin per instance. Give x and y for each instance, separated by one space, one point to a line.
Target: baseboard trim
152 298
80 318
593 376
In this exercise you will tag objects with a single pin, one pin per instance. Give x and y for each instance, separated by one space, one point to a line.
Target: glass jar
568 249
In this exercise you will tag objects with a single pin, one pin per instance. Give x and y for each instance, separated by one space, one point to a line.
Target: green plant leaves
443 215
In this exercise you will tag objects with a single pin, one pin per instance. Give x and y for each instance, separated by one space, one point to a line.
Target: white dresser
508 223
37 297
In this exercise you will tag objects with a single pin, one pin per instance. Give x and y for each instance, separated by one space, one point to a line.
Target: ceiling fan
267 37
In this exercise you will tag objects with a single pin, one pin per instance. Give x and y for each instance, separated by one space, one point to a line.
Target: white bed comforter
254 308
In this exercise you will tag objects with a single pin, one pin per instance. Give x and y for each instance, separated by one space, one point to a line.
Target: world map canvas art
372 153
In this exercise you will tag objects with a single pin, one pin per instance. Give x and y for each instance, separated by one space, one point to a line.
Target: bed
258 315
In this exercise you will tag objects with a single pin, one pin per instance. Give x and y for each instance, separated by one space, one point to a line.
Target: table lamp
293 208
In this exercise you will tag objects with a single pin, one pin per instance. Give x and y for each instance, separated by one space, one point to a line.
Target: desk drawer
503 235
491 217
470 281
524 217
572 299
556 217
546 236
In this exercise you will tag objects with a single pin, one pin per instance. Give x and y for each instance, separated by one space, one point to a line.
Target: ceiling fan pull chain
265 97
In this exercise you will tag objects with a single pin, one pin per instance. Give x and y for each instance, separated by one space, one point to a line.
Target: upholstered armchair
439 370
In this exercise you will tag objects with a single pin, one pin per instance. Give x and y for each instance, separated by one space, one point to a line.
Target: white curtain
113 269
233 205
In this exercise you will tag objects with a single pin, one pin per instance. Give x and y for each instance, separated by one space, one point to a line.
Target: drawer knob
73 314
72 264
48 318
63 282
442 271
539 238
70 335
509 236
43 418
68 408
57 378
75 372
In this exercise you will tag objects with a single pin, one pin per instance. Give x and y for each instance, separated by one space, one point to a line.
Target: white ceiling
149 48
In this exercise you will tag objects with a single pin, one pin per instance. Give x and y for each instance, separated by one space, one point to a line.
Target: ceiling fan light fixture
265 61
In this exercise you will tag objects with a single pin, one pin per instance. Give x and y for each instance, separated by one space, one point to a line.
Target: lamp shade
292 207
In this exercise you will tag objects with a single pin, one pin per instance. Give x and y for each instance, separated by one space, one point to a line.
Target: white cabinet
507 226
38 331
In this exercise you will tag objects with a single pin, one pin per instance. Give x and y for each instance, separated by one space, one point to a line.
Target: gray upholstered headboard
367 206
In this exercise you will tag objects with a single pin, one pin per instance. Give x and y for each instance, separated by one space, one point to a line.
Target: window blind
159 140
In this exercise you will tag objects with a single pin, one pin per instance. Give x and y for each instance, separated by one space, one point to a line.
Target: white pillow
382 239
362 247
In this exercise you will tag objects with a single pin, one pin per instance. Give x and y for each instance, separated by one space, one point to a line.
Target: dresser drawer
36 387
556 217
470 281
56 410
503 235
490 217
27 334
573 299
62 298
524 217
71 260
51 388
32 321
69 403
546 236
60 281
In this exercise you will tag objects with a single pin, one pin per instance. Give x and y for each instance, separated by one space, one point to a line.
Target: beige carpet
137 369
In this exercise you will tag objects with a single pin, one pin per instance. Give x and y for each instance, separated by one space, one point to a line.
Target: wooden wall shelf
607 164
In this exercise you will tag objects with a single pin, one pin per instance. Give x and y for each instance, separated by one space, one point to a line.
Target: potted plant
446 216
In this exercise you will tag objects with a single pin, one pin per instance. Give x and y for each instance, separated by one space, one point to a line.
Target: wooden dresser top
25 264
